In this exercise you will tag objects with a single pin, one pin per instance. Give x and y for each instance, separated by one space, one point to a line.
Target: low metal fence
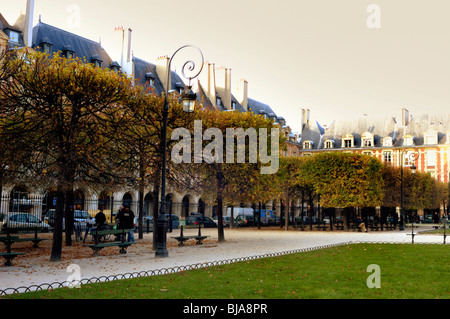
176 269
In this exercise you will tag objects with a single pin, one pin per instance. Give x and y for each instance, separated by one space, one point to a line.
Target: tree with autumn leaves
65 114
228 157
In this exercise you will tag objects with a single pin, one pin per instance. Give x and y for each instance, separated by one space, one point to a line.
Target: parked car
247 221
83 217
23 220
50 217
238 221
200 219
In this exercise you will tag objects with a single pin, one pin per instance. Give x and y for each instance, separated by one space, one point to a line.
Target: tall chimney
223 78
305 117
129 45
405 117
207 79
242 93
28 30
162 65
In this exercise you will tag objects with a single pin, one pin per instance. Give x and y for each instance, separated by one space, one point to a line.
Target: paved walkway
36 270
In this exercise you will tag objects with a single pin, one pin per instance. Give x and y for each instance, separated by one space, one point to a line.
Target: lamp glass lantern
188 99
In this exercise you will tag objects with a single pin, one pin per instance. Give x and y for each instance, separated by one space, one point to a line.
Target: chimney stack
223 80
406 118
129 45
242 93
162 66
305 117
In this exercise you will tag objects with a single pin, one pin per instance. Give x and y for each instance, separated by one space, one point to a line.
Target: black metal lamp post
412 158
188 98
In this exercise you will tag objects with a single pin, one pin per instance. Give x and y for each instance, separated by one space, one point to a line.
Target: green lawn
406 271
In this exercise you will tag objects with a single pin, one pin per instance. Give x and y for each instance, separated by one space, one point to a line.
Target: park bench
98 246
374 226
389 226
182 238
321 225
339 224
8 240
9 256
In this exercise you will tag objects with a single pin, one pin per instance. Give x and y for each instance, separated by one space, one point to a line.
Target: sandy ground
34 268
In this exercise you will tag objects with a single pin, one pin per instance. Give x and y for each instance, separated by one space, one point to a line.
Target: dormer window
96 61
281 120
263 113
408 140
180 87
233 105
329 144
348 140
114 66
219 101
367 139
14 36
307 145
431 137
150 79
68 51
46 45
387 141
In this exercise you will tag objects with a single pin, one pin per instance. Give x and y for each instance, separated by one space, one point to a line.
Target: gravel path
35 267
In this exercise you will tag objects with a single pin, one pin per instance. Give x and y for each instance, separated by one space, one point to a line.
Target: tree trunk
220 187
57 232
69 217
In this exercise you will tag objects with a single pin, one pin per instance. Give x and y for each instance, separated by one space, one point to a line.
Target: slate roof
201 96
144 68
62 40
258 107
379 127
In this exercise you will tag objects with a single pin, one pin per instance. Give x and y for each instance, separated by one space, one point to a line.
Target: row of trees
352 180
65 122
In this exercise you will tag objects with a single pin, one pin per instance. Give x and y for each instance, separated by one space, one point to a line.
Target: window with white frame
408 140
347 140
14 36
307 145
387 141
329 144
431 137
408 158
387 156
367 139
431 158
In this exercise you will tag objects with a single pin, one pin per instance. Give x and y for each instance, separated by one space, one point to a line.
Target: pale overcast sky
339 58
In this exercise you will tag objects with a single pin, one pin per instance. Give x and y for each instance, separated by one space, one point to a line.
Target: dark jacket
126 219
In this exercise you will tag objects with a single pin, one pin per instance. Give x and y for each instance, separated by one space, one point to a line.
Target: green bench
199 237
9 257
339 224
321 225
374 226
8 240
98 246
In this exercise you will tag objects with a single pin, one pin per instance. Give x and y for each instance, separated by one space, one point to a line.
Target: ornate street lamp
188 99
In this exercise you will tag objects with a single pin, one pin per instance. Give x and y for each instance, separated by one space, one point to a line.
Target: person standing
126 221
